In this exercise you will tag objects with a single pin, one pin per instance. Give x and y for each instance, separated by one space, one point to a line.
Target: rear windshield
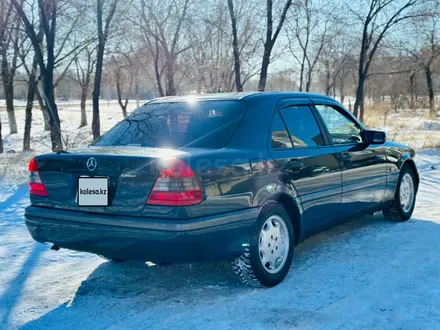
205 124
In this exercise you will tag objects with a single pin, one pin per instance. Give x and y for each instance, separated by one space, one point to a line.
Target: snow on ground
368 273
13 163
411 127
70 114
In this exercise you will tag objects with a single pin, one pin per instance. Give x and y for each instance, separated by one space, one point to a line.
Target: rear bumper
220 237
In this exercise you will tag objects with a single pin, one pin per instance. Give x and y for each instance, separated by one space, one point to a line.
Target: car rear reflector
176 185
36 185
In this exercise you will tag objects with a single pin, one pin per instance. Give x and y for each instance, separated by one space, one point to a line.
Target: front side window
204 124
302 126
342 130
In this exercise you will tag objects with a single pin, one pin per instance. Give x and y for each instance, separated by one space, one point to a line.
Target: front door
308 163
363 167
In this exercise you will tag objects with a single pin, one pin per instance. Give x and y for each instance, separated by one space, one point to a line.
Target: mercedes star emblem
91 164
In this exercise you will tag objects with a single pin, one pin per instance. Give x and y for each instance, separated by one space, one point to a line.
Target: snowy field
13 167
411 127
366 274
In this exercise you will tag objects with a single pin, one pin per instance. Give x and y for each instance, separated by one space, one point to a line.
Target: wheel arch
293 209
410 162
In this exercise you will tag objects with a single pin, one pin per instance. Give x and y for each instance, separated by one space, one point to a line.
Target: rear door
307 161
363 167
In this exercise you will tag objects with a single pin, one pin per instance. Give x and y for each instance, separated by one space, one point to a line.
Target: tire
274 228
404 201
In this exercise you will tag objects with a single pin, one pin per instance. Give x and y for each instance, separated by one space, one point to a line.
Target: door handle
345 158
319 170
294 165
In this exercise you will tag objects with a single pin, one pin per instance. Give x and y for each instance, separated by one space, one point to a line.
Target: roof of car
236 96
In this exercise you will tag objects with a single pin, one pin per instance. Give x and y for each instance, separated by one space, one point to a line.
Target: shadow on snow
125 292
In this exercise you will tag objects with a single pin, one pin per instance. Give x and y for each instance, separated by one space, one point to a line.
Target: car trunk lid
131 173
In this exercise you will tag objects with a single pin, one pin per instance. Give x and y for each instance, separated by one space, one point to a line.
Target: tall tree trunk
309 81
32 86
197 82
412 89
136 89
362 71
237 69
270 39
52 110
54 120
158 78
358 110
171 89
84 91
96 124
49 95
157 72
301 76
121 104
8 87
9 96
264 67
103 31
328 85
43 109
342 94
432 112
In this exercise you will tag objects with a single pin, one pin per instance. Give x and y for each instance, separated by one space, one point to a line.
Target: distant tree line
135 49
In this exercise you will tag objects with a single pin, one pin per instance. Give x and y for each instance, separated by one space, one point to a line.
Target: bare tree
162 29
54 53
32 81
270 39
308 32
337 63
382 15
32 86
342 71
209 63
282 81
103 27
9 65
48 13
5 16
237 69
123 74
32 90
84 67
427 27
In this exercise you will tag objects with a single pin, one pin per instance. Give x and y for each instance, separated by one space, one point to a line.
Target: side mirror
374 137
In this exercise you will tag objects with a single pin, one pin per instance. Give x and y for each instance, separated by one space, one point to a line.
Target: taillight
36 186
176 185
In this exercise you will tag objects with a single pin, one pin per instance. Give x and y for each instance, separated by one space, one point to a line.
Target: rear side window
280 136
302 126
204 124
